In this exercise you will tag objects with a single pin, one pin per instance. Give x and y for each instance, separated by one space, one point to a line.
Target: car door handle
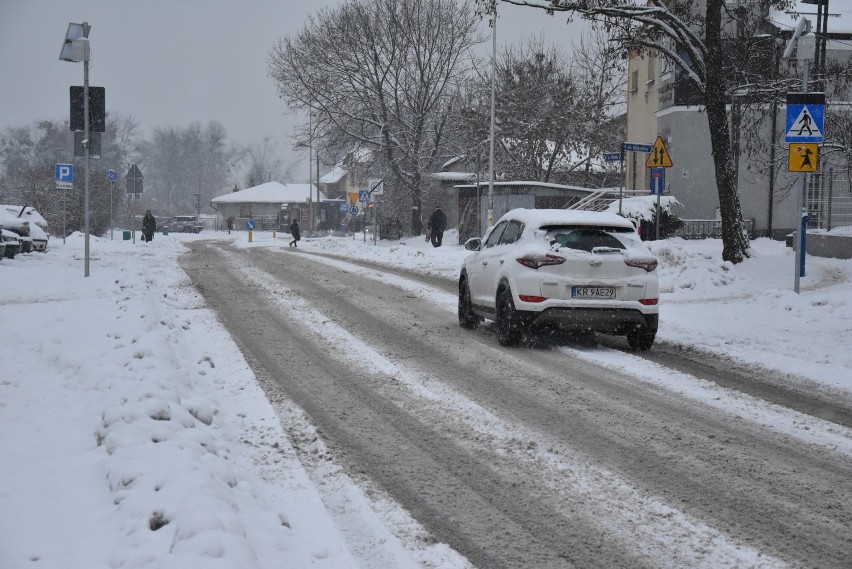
484 263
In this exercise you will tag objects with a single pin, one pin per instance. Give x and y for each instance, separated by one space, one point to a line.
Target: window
512 232
634 81
652 68
245 210
585 239
496 233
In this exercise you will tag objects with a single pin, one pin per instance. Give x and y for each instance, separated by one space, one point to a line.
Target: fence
707 229
829 200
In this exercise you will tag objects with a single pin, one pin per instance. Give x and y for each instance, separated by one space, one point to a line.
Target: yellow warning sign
659 156
803 157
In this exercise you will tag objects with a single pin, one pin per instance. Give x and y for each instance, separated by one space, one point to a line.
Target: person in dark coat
294 231
436 226
149 226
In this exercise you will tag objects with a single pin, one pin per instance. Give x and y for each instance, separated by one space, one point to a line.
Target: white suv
574 270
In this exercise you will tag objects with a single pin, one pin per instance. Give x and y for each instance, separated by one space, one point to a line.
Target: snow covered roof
334 175
454 176
270 192
537 184
839 16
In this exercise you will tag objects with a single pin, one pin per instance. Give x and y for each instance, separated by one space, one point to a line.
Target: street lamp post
491 136
75 48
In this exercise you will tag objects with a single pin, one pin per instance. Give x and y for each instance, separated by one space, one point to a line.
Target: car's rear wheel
641 339
467 319
509 324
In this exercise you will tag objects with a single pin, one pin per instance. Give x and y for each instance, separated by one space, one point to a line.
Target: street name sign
613 156
633 147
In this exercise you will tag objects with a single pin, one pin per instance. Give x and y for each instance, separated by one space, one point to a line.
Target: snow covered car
28 224
12 243
559 268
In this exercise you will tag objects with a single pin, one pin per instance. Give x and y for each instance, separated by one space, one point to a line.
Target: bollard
273 235
249 235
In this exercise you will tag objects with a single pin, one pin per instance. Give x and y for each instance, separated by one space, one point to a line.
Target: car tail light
534 261
649 301
528 298
647 263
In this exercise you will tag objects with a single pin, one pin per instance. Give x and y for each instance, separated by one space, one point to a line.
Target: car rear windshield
587 238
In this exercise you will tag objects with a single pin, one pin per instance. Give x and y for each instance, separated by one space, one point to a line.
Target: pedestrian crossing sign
803 157
805 117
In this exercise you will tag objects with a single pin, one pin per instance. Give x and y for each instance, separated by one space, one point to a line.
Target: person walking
149 226
436 225
294 231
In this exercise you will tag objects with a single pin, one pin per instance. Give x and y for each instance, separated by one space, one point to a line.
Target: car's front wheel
641 339
467 319
509 324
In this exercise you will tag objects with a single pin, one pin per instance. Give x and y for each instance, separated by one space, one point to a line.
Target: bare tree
179 163
380 74
675 30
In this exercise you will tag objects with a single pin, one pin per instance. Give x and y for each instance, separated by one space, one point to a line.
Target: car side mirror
473 244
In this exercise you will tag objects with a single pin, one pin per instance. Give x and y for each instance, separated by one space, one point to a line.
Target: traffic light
97 109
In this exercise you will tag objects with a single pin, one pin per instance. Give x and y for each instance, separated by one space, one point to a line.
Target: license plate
602 292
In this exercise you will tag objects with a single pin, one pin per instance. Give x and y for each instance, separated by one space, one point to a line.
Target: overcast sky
172 62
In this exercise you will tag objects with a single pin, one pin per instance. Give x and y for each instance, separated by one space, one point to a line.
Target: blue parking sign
65 176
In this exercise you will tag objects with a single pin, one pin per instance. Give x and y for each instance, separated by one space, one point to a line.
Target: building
271 206
661 101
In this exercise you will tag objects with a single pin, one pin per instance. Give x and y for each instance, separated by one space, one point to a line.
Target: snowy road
536 457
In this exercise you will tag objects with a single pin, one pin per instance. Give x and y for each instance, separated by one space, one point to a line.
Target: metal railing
829 200
707 229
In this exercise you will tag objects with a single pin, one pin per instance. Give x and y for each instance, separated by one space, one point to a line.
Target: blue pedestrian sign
65 176
363 196
805 117
111 175
354 210
250 224
658 181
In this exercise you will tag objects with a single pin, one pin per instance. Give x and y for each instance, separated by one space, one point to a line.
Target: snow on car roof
544 217
30 214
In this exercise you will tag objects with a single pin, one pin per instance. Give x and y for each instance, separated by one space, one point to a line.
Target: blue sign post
658 181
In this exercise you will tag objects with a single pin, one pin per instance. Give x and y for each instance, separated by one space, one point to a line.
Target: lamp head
75 47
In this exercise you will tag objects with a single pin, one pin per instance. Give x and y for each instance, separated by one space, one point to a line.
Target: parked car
185 224
28 224
2 248
565 269
13 244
